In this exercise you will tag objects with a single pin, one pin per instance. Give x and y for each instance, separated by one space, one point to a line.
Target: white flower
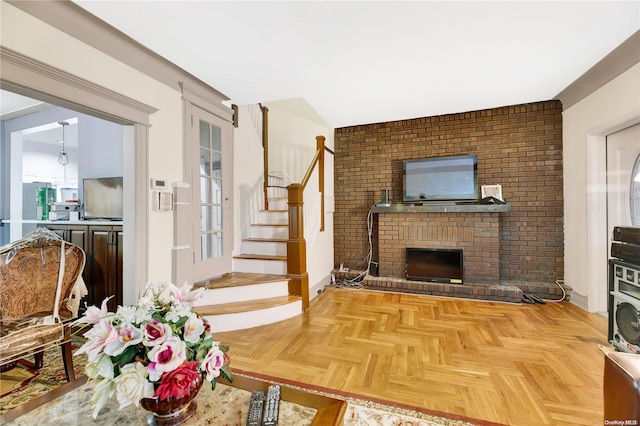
132 385
166 357
92 315
102 391
143 314
128 313
177 311
102 369
193 328
128 335
100 335
212 362
184 293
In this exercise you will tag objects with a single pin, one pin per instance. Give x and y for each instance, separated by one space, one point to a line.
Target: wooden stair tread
267 240
245 306
237 279
260 257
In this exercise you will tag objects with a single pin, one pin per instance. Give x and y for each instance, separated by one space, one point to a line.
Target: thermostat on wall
158 184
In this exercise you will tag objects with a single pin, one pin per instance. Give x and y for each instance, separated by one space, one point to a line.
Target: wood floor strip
503 363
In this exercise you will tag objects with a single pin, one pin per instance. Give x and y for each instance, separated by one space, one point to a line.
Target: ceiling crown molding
30 77
73 20
611 66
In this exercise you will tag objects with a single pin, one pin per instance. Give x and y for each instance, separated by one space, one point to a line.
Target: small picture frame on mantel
494 191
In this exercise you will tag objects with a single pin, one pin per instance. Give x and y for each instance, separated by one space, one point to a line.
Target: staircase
257 292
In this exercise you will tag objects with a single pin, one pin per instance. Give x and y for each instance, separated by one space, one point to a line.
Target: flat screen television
434 265
102 198
443 179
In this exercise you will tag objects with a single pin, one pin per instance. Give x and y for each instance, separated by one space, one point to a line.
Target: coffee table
227 404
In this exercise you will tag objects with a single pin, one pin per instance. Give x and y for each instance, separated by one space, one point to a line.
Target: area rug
363 411
23 383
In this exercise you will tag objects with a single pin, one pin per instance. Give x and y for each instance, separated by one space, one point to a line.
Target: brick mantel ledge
443 208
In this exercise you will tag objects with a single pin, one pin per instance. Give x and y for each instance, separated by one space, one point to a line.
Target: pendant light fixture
63 158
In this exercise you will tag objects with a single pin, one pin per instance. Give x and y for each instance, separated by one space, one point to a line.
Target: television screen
102 198
440 179
434 265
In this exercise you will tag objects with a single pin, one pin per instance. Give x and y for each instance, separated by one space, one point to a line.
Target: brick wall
475 233
519 147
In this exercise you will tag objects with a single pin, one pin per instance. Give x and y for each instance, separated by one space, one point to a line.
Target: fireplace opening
434 265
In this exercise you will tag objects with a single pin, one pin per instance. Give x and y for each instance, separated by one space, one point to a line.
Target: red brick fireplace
474 229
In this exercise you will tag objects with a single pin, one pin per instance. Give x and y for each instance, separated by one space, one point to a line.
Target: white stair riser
280 217
267 248
259 266
275 192
276 181
250 319
279 204
218 296
266 231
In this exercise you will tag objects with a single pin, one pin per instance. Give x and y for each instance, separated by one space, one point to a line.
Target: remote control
254 418
271 406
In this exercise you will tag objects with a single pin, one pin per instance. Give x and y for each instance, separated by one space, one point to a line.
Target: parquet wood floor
507 363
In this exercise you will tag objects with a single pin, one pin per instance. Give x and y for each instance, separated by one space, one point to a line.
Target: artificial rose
132 385
155 333
213 362
193 328
100 335
166 357
102 391
128 335
179 382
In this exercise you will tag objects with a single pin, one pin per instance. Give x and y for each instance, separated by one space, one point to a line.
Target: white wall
247 171
23 33
293 127
585 126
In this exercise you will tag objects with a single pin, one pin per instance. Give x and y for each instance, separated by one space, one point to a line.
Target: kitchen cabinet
102 274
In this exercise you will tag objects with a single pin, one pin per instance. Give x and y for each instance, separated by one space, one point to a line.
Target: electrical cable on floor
564 293
356 282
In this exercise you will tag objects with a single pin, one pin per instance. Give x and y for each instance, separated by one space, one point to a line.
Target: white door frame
597 246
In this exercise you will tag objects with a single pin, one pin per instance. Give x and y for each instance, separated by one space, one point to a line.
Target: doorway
29 159
623 180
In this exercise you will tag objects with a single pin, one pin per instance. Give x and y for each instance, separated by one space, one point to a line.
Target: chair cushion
29 336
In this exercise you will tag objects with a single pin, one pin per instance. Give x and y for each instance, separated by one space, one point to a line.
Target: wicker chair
40 290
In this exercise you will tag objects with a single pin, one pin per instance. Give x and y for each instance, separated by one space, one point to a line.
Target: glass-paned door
212 177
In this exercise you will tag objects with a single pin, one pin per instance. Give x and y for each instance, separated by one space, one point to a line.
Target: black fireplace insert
434 265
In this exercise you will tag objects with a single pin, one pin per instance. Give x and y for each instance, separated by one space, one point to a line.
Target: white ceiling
360 62
364 62
13 105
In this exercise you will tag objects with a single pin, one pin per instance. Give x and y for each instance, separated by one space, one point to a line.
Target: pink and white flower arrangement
155 349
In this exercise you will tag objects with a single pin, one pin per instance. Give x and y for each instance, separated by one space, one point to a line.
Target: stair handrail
265 153
296 244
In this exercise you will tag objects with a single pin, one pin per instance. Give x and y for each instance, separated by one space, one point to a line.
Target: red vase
172 411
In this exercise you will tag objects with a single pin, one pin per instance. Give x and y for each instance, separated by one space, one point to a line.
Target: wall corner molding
204 100
611 66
